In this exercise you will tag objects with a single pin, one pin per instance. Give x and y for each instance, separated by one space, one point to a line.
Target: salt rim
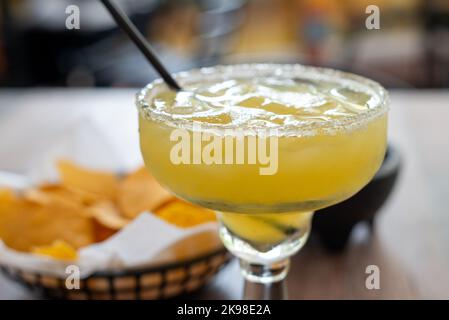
289 71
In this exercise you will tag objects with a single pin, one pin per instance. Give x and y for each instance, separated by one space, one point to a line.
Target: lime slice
253 229
288 221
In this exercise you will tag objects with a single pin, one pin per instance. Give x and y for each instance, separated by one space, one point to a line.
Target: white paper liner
143 242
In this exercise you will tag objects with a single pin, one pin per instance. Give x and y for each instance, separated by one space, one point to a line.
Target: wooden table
411 241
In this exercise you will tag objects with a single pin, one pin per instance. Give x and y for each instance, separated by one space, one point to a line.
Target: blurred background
411 49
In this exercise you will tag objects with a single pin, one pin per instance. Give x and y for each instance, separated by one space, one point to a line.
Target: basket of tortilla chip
95 235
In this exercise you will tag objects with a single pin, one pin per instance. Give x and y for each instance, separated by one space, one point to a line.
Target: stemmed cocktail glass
324 130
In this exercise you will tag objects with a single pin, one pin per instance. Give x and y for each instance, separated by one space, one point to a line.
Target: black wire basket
156 282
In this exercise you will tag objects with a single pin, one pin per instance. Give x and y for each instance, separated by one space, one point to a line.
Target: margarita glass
264 146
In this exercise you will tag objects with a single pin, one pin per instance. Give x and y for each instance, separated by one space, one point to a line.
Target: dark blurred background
411 49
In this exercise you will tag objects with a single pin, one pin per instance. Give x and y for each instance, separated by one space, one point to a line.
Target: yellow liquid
315 168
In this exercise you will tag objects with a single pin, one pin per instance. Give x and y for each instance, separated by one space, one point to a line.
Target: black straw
139 40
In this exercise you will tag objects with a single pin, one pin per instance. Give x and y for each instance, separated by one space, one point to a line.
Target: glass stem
265 282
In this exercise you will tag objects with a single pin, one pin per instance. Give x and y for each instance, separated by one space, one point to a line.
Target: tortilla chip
45 195
184 214
141 192
103 184
58 249
108 215
25 224
6 196
102 232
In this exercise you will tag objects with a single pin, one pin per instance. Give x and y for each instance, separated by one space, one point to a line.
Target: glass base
265 291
